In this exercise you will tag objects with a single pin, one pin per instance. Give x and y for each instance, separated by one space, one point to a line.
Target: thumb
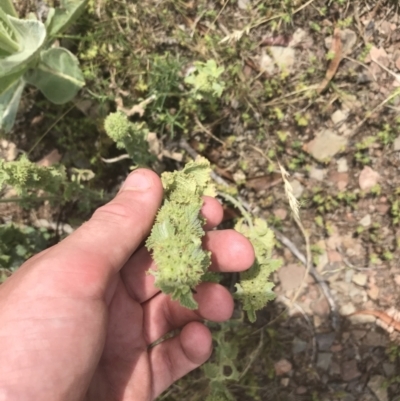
101 246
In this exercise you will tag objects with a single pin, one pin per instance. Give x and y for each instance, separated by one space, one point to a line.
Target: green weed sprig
175 239
129 136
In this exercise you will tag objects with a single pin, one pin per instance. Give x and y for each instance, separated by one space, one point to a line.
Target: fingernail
137 181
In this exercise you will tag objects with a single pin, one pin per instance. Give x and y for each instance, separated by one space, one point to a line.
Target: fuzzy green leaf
255 289
8 7
65 15
175 239
30 36
8 35
58 75
9 101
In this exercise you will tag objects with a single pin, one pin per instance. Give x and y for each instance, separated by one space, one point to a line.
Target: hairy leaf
9 101
65 15
58 75
175 239
30 36
255 289
8 7
8 37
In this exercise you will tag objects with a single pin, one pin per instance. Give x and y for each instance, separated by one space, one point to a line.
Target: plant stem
237 204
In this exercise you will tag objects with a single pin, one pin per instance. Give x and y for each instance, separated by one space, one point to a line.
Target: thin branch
207 131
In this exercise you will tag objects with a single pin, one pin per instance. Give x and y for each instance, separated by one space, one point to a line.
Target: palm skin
77 320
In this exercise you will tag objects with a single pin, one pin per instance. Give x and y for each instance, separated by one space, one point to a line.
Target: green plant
346 22
374 259
314 26
255 287
388 133
26 177
395 211
316 251
376 190
175 238
365 51
18 243
393 351
349 198
131 136
175 242
363 148
26 56
205 80
324 202
387 255
223 369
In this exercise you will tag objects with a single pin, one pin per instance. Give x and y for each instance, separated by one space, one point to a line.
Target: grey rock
347 309
281 57
375 339
377 386
326 145
298 345
349 40
389 369
358 334
325 341
342 165
362 319
324 360
334 369
290 276
360 279
348 276
298 189
317 174
243 4
339 116
366 221
349 370
396 144
284 57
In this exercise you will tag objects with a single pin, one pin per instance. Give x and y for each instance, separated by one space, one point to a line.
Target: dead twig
393 74
336 49
253 356
349 264
317 277
375 9
115 159
207 131
374 110
136 109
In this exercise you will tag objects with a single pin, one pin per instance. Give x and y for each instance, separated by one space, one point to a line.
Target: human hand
76 320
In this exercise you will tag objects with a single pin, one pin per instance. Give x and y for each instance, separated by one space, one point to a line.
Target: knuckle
121 214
